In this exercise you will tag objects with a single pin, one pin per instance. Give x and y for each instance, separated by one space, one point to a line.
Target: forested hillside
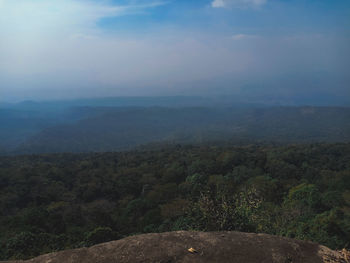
59 201
114 129
18 125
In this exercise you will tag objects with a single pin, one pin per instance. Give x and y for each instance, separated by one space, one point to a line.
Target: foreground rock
194 247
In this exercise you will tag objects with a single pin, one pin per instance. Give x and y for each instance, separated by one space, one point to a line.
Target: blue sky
256 48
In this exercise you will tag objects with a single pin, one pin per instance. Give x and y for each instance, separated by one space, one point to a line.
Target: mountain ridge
120 129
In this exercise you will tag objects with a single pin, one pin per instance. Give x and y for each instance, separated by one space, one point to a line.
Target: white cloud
218 3
41 16
238 3
56 44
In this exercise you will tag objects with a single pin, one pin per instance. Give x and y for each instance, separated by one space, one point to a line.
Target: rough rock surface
209 247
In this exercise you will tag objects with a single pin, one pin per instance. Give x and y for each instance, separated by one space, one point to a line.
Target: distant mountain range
165 101
120 124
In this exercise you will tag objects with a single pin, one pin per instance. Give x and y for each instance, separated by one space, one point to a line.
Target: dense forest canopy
59 201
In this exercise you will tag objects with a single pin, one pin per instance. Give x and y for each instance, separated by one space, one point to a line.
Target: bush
100 235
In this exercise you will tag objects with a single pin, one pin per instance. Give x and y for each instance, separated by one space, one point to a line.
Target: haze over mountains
228 59
113 124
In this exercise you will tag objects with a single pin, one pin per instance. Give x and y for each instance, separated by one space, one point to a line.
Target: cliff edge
201 247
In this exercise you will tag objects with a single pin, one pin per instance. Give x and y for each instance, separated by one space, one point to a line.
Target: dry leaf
192 250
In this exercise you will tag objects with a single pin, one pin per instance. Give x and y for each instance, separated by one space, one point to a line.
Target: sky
257 49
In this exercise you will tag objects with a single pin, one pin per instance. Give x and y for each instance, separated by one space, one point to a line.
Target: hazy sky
83 48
